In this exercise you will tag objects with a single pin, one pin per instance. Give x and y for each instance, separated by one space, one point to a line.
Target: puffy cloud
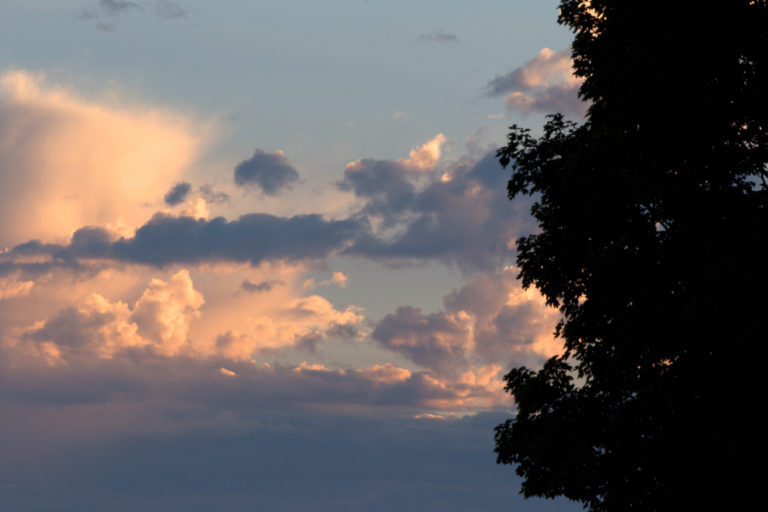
437 341
159 321
177 194
544 84
461 217
426 156
269 172
298 324
489 320
55 150
383 183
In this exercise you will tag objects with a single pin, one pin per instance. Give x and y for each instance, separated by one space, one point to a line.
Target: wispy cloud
438 37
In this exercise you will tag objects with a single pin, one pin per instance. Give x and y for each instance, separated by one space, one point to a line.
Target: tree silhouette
653 243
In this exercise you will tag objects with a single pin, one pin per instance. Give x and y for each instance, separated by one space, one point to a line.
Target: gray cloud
181 438
177 194
543 84
270 172
384 183
465 220
562 98
433 341
458 215
166 240
263 286
439 36
504 84
479 325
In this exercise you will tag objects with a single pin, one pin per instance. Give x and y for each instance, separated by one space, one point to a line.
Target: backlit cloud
490 319
66 162
545 83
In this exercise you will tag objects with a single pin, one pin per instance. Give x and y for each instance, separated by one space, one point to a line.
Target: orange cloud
68 162
426 156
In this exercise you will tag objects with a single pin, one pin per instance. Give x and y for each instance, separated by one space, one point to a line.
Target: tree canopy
653 241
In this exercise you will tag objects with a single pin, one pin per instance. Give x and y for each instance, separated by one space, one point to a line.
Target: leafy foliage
653 239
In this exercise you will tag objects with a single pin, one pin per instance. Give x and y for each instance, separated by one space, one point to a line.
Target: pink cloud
68 162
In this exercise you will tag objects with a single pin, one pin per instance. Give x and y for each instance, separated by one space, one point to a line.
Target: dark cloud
70 329
271 460
263 286
463 220
177 194
439 36
436 341
458 215
166 240
270 172
345 331
384 183
504 84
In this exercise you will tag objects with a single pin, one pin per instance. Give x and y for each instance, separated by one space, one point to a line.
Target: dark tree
653 243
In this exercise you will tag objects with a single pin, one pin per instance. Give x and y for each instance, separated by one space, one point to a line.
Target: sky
259 255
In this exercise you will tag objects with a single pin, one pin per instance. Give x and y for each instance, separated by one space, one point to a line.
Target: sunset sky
258 255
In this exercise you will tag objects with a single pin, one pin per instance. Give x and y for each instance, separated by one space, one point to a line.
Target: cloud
269 172
437 341
426 156
177 194
545 83
337 279
373 463
263 286
489 320
439 37
166 240
159 321
461 216
55 148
